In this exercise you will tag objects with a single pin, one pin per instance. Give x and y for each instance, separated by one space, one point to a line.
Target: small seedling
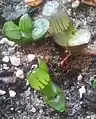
28 30
40 80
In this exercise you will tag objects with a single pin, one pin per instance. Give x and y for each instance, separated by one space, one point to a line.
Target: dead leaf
89 2
33 3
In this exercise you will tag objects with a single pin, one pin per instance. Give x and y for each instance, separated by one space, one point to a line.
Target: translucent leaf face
11 30
71 37
39 78
62 37
81 37
58 24
50 8
41 26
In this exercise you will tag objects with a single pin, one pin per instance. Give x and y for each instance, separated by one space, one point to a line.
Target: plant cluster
27 31
57 23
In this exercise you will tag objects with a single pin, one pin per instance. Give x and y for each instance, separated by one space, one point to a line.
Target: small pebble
10 43
41 111
12 93
12 109
20 74
47 58
5 66
69 11
5 40
69 0
75 4
79 78
31 57
82 90
5 59
27 82
34 66
15 61
33 110
2 92
84 23
9 79
88 117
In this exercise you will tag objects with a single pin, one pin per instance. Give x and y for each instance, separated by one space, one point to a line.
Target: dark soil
22 106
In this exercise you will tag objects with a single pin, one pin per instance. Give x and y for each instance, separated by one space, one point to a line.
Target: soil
28 103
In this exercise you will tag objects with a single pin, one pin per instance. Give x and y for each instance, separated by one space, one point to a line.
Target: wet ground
28 104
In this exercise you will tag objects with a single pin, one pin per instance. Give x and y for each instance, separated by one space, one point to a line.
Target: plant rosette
40 80
27 31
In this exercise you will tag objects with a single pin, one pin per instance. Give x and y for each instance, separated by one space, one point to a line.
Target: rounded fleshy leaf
41 27
38 79
81 37
50 8
11 30
26 26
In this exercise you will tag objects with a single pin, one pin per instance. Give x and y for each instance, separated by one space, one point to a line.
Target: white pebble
33 110
10 43
79 78
69 11
5 66
5 40
27 82
84 23
82 90
88 117
2 92
5 59
69 0
20 74
12 109
75 4
31 57
12 93
15 61
34 66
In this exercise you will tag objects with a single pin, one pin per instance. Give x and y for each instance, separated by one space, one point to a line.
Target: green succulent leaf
72 37
54 97
26 26
11 30
94 84
59 24
62 37
80 37
93 81
38 79
42 65
41 27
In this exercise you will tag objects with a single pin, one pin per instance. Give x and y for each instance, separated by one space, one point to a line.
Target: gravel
15 60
